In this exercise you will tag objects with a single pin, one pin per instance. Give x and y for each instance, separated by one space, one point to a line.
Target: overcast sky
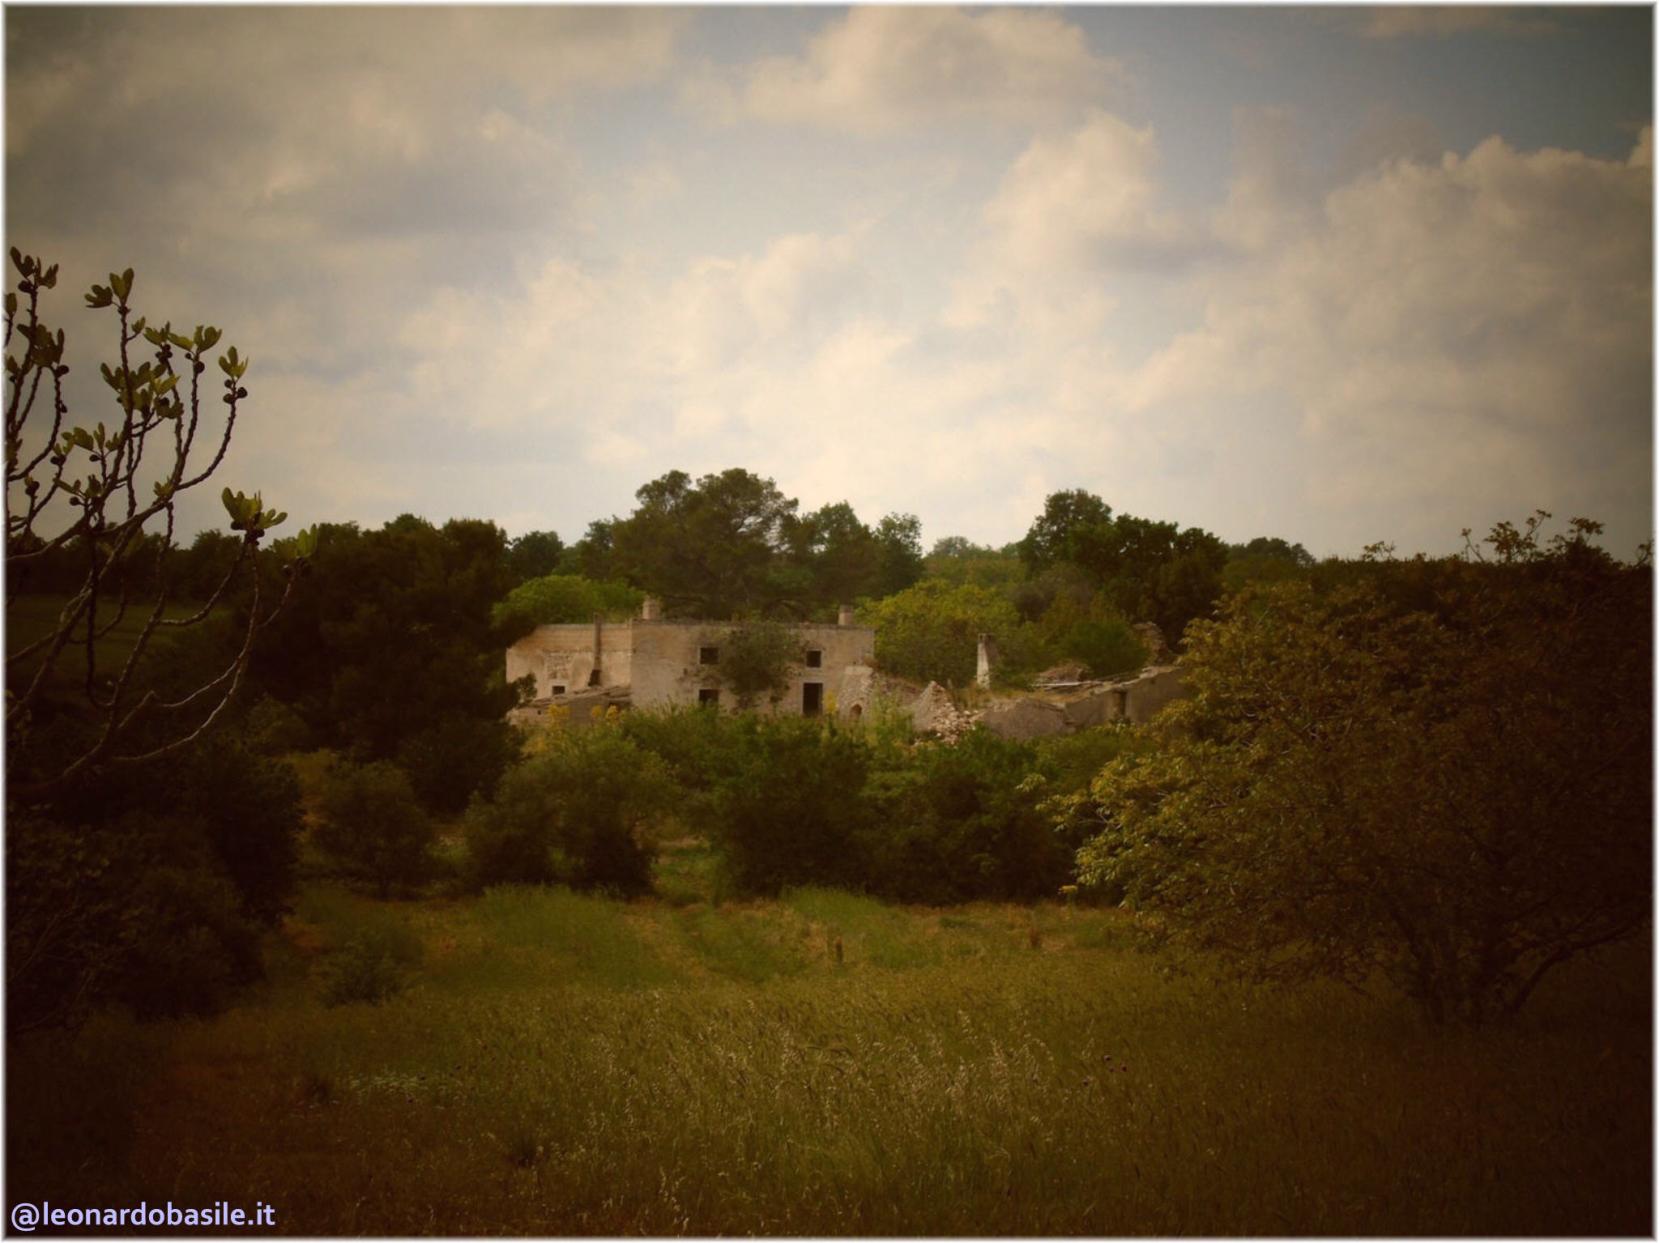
1335 274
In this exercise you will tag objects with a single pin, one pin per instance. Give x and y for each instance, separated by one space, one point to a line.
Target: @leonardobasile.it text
26 1216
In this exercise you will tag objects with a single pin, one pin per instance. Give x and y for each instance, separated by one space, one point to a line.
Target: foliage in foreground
1458 800
150 888
560 1064
82 497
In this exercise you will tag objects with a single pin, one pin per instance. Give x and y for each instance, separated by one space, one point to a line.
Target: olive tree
102 497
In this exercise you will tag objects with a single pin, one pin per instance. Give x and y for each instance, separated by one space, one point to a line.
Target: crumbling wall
666 668
563 656
1135 700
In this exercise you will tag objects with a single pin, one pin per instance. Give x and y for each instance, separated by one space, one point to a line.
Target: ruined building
647 662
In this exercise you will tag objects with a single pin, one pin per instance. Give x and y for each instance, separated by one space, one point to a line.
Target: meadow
565 1064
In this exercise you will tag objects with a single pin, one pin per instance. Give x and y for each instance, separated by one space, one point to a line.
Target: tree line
1434 771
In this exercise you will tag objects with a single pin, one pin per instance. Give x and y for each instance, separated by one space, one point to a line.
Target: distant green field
825 1064
32 616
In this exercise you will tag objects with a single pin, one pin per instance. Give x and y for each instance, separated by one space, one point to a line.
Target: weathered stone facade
650 663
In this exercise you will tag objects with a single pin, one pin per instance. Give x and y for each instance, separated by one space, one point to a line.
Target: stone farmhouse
647 662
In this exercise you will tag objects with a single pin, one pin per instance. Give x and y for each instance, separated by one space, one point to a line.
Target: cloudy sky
1335 274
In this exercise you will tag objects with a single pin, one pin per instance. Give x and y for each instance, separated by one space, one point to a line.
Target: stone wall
562 656
659 662
1135 700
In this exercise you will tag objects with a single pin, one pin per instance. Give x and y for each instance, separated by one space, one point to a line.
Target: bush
699 748
755 660
962 822
792 811
250 807
274 728
196 944
1106 647
575 812
373 826
451 761
132 910
370 966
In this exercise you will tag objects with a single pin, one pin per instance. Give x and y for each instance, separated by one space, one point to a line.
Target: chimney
648 610
844 617
987 659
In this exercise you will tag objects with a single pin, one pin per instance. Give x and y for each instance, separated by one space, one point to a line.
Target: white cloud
882 68
800 286
1076 210
1478 327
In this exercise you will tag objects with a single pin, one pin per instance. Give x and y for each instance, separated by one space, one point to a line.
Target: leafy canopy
1458 800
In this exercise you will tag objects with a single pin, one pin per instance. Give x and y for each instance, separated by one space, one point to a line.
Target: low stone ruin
1064 709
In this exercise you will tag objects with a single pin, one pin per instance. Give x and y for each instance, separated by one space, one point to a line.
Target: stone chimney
648 610
844 617
987 660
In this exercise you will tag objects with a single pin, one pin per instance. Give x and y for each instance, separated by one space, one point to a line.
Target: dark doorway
812 698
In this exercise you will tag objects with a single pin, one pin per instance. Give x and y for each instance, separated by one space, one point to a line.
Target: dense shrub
196 943
374 827
372 965
755 660
249 807
792 811
1105 647
132 910
964 821
450 761
577 811
701 748
274 728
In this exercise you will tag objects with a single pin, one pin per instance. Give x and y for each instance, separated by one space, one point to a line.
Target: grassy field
826 1064
29 617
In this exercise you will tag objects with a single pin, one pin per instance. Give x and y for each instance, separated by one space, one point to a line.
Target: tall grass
702 1069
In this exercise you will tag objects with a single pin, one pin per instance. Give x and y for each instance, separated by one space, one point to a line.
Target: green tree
393 641
961 822
578 811
555 598
706 548
931 631
756 659
1458 800
591 557
791 811
899 539
534 554
372 824
1056 532
1150 571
